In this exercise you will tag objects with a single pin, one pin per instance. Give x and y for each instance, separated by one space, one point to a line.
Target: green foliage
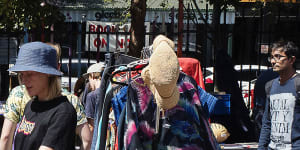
164 3
125 17
15 15
224 2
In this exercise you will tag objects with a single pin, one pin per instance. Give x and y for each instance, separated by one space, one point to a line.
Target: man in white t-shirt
281 120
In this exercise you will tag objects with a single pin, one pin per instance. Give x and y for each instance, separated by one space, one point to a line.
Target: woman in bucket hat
15 106
49 120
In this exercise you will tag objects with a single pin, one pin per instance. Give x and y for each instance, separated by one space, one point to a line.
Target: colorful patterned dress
182 127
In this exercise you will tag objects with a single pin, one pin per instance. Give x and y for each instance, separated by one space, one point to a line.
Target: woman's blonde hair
54 89
54 81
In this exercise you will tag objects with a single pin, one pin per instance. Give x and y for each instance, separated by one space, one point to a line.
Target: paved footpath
239 146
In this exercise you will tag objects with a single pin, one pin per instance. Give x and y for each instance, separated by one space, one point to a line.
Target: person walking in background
281 119
92 90
15 106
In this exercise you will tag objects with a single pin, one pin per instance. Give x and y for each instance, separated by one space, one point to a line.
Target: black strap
297 83
297 86
269 85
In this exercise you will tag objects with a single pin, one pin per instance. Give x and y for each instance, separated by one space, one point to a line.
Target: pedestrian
18 97
89 101
281 119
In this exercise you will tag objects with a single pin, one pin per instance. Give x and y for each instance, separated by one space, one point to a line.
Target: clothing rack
112 61
132 108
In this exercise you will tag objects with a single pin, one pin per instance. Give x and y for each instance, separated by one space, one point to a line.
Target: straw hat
220 132
37 56
162 73
160 38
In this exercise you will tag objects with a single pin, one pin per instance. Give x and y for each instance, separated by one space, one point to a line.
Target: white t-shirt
282 104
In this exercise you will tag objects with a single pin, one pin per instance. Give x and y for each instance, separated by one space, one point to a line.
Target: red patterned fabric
192 67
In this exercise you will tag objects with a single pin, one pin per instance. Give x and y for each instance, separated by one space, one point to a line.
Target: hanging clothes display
183 126
111 60
130 116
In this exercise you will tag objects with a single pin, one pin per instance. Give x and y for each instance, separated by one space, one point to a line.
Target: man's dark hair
288 47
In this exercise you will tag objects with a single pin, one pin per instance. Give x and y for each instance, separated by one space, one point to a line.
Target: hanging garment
111 59
119 102
104 119
208 101
184 126
111 132
100 98
192 67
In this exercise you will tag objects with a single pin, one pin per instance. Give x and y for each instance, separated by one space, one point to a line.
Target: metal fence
248 39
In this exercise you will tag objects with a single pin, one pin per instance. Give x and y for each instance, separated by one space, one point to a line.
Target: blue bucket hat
37 56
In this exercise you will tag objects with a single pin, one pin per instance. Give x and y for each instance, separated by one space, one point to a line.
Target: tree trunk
216 26
137 38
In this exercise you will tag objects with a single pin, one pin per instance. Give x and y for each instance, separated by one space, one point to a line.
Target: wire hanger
147 52
133 66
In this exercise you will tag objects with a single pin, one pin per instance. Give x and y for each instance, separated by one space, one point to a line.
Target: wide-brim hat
162 73
160 38
37 56
98 67
165 100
